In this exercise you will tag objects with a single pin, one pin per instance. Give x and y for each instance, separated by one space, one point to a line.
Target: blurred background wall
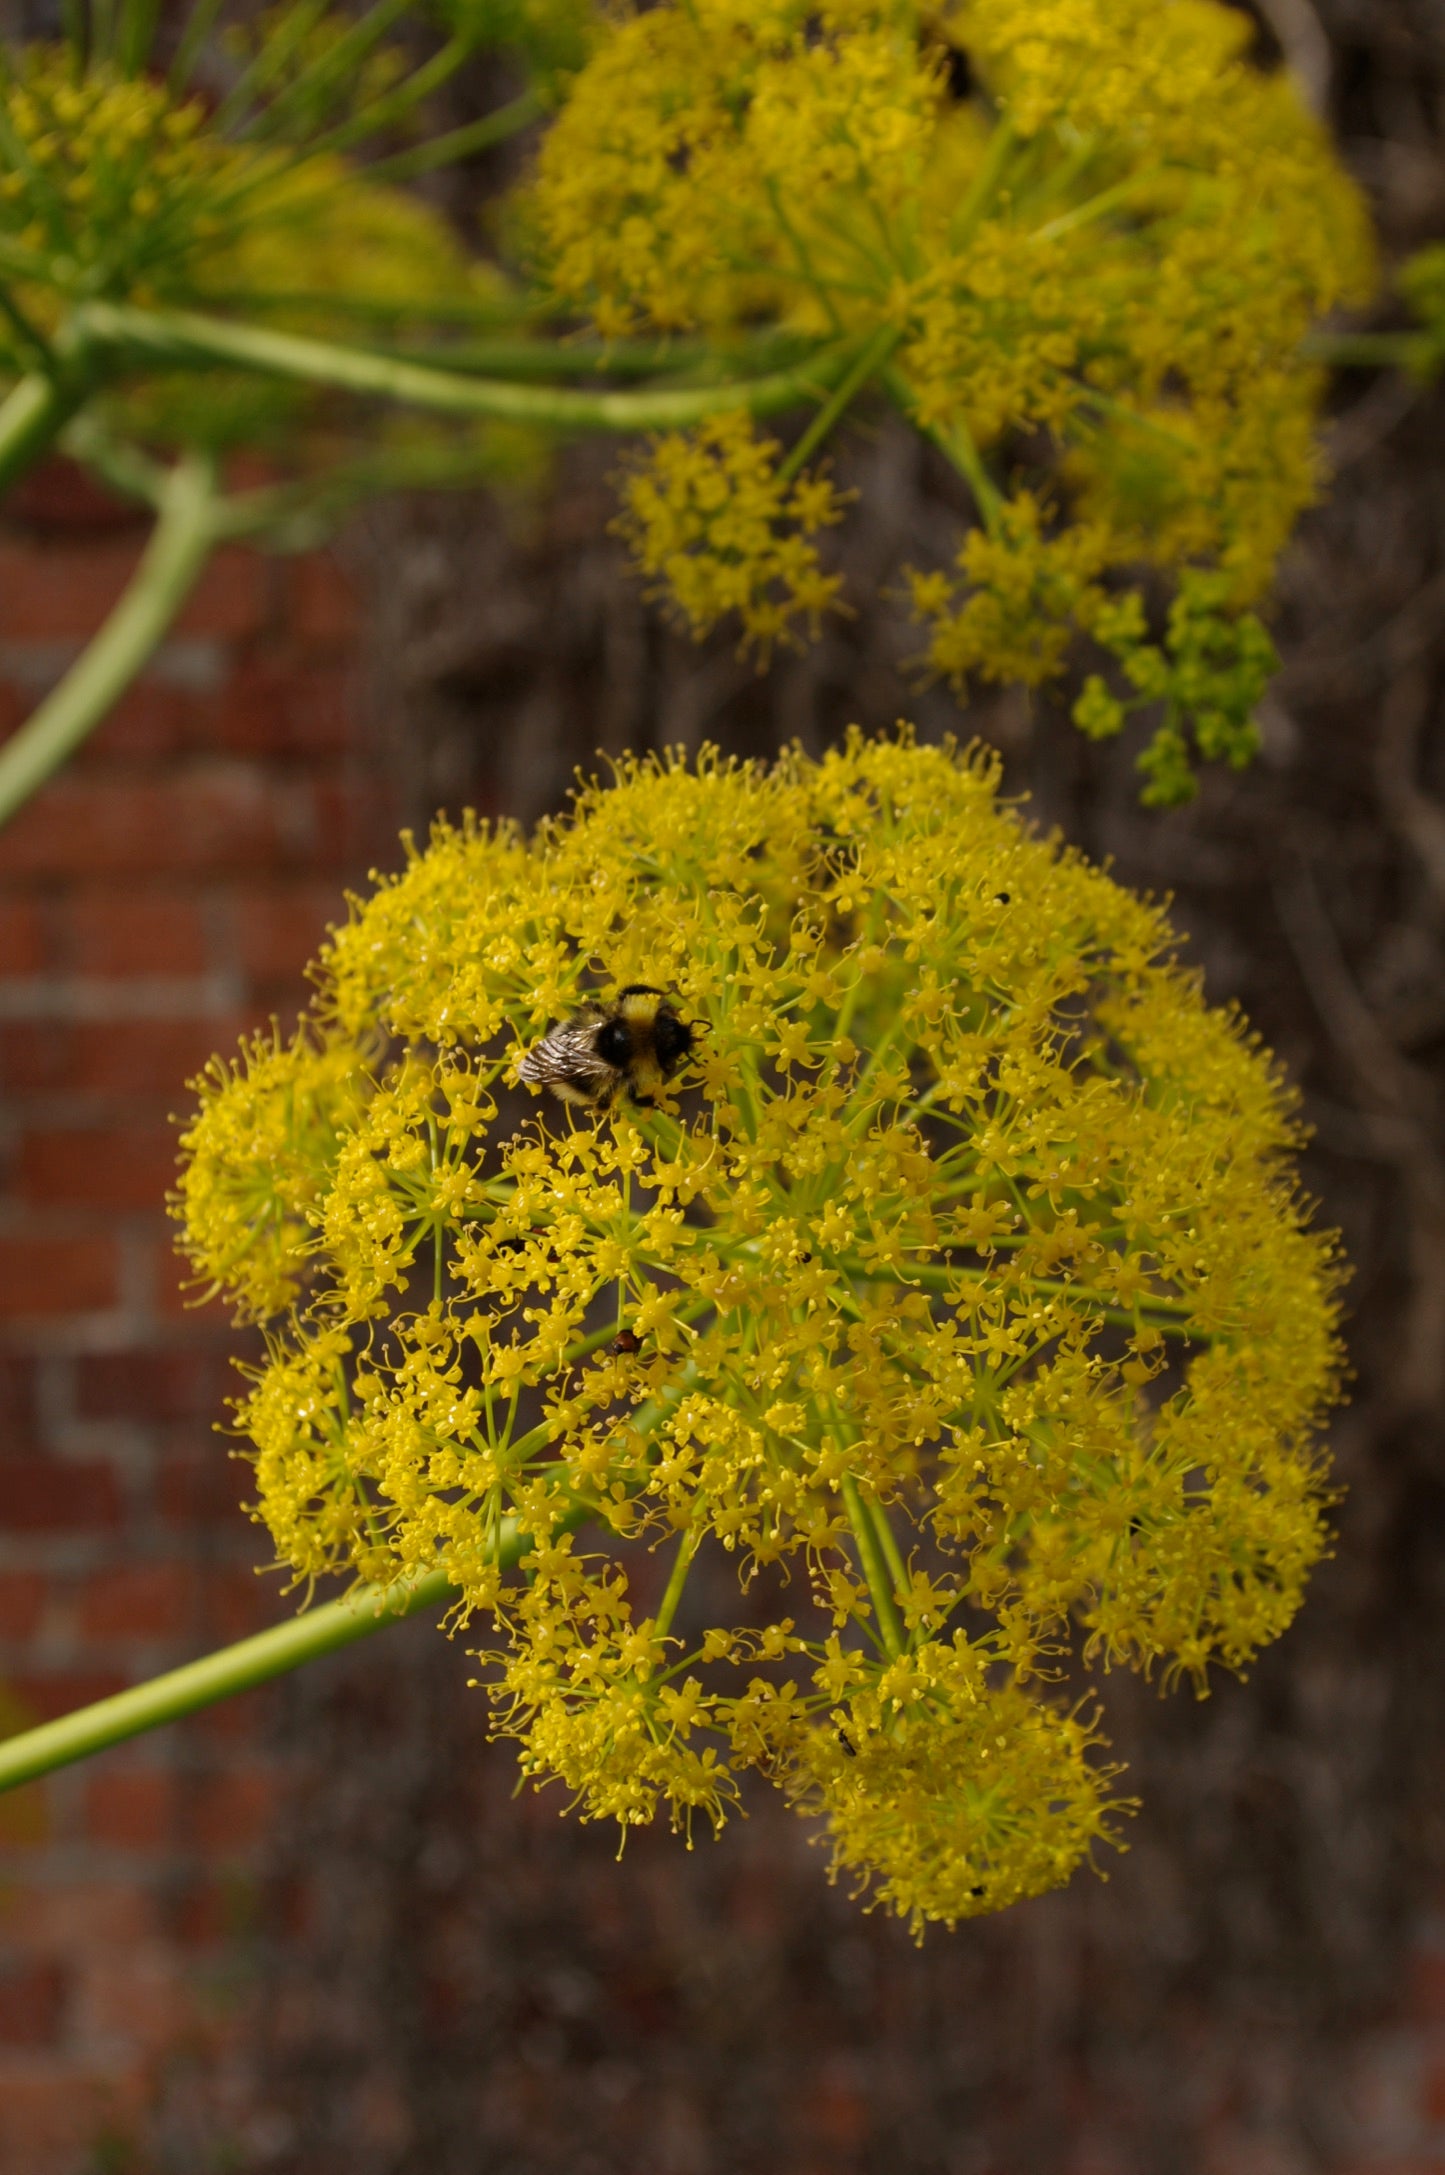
317 1931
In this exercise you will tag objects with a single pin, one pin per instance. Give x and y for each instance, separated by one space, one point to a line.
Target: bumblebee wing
566 1062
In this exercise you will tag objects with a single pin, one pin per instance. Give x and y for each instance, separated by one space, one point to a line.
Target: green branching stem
957 447
1418 354
957 443
677 1580
240 1668
982 190
186 529
121 467
187 339
32 417
218 1676
869 362
875 1567
1159 1311
888 1542
461 143
394 105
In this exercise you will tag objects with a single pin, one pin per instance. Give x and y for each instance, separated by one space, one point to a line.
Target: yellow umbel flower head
953 1306
117 189
1077 241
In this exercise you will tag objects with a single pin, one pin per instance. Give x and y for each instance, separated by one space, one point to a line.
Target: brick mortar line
198 664
112 998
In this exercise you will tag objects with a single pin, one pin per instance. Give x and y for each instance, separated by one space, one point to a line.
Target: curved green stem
186 338
32 417
178 549
217 1676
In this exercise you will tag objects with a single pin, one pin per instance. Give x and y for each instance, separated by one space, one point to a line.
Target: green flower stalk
948 1326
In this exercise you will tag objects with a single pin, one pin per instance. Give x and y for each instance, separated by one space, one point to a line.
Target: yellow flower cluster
957 1306
114 189
1029 589
92 158
1093 230
1026 590
713 521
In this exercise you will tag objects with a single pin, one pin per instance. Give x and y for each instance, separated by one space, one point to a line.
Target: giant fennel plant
955 1328
955 1325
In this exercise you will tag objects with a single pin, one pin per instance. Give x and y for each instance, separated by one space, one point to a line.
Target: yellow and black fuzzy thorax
634 1045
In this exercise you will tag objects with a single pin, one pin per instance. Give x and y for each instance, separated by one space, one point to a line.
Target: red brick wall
158 897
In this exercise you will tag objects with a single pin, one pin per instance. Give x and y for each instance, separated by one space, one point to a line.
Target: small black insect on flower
637 1043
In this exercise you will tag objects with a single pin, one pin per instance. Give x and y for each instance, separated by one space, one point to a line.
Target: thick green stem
249 1662
178 549
31 419
182 337
218 1676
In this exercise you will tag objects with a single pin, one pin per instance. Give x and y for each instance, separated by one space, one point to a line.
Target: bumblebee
636 1043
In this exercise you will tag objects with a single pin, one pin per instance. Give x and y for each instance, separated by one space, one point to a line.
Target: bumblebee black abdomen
672 1039
614 1043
